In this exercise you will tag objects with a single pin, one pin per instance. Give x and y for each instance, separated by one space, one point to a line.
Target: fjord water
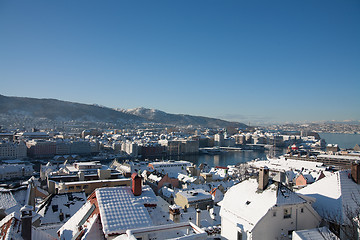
225 158
344 140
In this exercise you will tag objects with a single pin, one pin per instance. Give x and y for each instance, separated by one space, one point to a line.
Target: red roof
135 175
221 167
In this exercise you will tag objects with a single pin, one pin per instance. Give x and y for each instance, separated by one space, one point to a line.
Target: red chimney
136 184
355 172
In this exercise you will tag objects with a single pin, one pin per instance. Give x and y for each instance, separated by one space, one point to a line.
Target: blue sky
250 61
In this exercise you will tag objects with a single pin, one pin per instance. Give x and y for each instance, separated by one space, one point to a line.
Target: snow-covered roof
154 177
147 196
9 168
195 195
322 233
119 210
334 194
7 200
249 208
185 178
354 158
167 192
12 226
283 164
71 227
67 203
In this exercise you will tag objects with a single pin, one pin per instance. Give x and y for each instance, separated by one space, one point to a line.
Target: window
86 186
71 188
287 213
78 187
302 210
239 235
274 214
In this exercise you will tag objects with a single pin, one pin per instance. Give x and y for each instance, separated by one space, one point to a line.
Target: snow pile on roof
119 211
322 233
334 194
249 208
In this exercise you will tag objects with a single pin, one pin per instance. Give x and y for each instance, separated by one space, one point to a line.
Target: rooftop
334 194
253 205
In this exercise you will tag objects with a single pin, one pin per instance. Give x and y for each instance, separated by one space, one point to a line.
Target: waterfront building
240 139
148 150
12 150
170 166
332 148
180 146
41 148
219 139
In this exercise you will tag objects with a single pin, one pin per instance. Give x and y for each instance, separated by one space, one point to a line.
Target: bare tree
346 223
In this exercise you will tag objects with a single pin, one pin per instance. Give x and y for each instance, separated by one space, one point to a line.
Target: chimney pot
136 184
263 178
26 222
198 217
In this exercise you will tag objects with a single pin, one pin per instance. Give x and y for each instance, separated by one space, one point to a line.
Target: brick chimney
136 184
355 172
263 178
26 222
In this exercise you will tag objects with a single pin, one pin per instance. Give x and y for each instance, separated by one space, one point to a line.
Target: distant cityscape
66 175
117 178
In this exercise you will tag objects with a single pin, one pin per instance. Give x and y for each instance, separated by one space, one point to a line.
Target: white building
271 212
12 150
170 166
130 148
9 171
338 200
